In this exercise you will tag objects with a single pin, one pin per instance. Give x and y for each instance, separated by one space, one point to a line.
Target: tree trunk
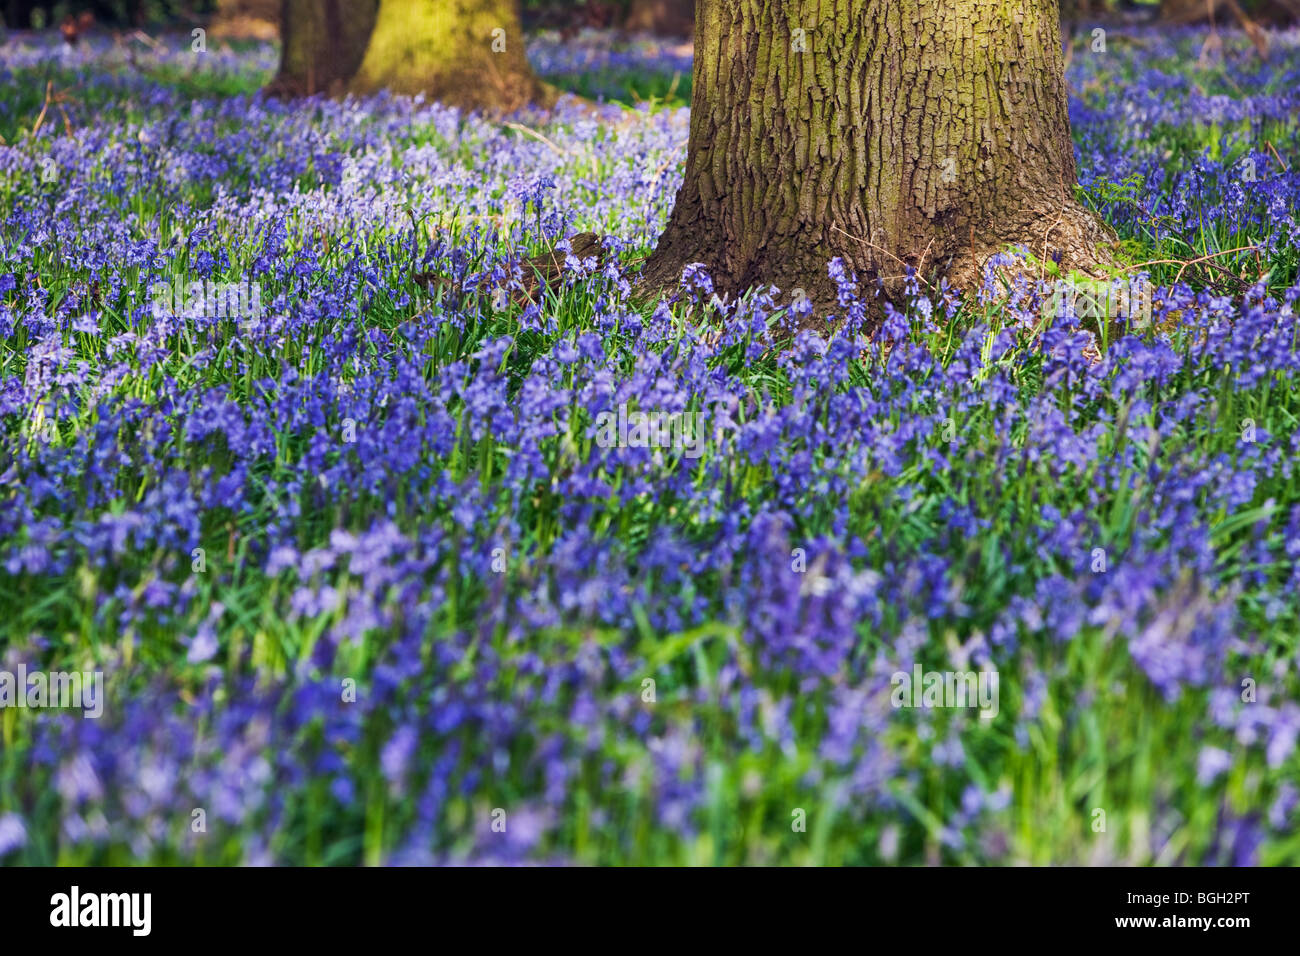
1198 11
1075 12
1079 9
1183 12
467 53
668 18
321 45
930 133
1188 11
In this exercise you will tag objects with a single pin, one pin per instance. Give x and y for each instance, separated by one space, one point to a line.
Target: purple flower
13 835
396 755
1211 763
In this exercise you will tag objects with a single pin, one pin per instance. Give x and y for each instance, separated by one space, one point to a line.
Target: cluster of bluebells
360 575
609 67
1188 149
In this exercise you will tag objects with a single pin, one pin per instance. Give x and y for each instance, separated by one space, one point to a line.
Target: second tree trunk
467 53
321 45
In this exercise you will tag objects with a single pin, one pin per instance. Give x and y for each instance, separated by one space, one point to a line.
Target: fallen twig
536 135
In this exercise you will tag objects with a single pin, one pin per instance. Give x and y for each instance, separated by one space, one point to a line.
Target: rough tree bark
931 133
468 53
321 45
671 18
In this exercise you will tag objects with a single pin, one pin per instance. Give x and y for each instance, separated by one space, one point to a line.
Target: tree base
898 136
1071 239
488 90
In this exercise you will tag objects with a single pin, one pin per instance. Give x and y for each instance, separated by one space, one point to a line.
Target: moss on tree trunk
321 45
468 53
929 133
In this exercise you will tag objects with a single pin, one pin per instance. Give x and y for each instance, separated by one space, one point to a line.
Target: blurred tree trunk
671 18
467 53
1076 10
926 133
1221 11
1073 13
1199 11
1188 11
321 45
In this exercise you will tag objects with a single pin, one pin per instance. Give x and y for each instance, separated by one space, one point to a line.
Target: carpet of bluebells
362 582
